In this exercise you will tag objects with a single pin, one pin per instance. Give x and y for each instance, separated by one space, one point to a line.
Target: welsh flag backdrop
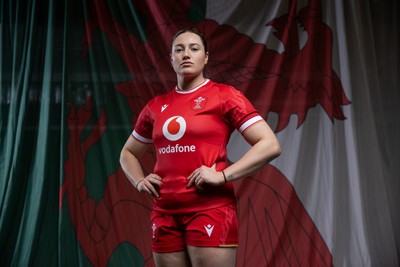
324 74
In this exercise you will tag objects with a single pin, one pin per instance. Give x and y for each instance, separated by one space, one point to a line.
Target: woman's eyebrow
191 44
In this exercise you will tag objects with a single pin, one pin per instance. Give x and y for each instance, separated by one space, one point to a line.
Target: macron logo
209 229
164 107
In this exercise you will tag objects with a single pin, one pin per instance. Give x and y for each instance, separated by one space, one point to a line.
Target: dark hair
192 30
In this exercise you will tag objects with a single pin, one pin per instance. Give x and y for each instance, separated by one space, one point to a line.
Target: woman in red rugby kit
194 219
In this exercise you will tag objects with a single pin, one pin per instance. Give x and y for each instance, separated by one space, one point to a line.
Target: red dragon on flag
275 228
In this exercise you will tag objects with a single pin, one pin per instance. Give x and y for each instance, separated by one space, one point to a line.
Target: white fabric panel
345 172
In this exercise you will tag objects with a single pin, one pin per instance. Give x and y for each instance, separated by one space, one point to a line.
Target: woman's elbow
278 150
123 156
275 149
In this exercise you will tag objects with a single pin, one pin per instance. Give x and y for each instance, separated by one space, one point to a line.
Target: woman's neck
188 84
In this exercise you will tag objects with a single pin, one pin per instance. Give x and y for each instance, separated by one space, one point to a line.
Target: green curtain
31 131
43 73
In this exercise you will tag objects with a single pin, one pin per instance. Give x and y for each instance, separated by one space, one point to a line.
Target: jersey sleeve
238 110
144 125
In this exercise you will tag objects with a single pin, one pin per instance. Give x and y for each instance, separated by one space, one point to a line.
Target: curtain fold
30 132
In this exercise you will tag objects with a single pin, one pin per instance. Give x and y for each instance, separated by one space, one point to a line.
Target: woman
194 220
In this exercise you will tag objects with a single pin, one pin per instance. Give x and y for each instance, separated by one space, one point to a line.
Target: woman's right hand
132 151
150 184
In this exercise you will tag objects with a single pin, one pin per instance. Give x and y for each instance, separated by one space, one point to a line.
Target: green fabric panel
46 74
29 191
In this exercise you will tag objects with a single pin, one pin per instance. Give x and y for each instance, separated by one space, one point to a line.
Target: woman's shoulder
226 91
223 88
160 98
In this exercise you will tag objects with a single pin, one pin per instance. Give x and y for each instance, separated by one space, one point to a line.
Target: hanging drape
324 74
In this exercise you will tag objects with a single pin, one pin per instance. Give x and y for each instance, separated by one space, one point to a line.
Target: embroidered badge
154 228
199 103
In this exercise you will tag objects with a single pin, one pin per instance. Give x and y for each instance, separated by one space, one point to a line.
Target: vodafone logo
174 128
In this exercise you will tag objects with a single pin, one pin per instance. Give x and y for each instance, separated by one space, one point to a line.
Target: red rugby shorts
216 227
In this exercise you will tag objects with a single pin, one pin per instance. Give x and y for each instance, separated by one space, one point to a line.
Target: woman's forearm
131 167
132 151
265 147
252 161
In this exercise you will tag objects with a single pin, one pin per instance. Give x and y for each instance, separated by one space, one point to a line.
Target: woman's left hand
205 175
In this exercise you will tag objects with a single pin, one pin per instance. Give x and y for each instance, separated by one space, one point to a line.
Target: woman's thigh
212 256
172 259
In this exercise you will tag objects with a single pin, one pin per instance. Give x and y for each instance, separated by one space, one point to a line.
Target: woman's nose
186 53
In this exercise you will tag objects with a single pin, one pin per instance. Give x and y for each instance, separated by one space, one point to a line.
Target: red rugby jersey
190 129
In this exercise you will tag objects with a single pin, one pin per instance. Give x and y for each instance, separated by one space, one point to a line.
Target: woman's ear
206 59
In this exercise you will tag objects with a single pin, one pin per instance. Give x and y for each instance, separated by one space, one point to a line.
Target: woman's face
188 56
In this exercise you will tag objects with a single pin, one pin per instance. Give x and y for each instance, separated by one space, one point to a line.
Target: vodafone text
176 149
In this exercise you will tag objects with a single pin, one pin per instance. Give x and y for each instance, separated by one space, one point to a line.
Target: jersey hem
141 138
249 123
186 210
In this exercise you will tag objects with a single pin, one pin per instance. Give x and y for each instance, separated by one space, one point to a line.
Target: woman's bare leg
172 259
210 256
